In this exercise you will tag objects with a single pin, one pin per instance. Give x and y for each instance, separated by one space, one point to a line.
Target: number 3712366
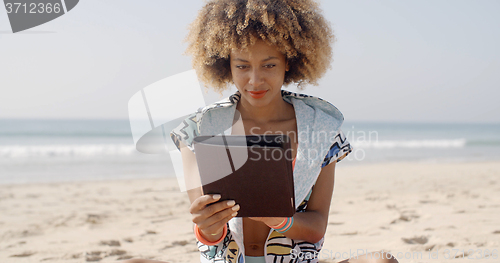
33 8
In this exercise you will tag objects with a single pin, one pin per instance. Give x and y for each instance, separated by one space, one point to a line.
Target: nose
256 77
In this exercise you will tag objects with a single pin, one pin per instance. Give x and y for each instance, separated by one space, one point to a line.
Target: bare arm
311 225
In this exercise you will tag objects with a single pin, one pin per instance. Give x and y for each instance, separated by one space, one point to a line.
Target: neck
277 110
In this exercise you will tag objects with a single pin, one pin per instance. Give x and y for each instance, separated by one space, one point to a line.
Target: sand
421 212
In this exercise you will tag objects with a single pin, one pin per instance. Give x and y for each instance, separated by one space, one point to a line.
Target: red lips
257 94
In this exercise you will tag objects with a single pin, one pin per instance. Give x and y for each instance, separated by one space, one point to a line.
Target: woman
259 46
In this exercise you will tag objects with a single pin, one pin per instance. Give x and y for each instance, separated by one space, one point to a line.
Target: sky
394 61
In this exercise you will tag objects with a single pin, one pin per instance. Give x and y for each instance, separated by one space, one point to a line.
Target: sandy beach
421 212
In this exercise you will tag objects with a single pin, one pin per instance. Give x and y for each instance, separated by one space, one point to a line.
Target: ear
287 67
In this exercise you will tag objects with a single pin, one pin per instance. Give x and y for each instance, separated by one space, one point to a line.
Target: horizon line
345 121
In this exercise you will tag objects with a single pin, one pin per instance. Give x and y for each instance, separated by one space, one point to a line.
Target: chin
262 101
258 103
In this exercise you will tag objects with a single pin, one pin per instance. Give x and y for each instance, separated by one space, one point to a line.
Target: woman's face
258 73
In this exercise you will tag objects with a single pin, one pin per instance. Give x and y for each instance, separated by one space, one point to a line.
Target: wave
493 142
89 150
391 144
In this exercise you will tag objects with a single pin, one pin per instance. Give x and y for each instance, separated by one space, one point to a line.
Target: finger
217 217
215 212
218 226
202 201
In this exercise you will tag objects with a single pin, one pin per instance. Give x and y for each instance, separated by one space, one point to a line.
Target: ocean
33 151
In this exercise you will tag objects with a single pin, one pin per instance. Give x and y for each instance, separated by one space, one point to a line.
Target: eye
270 66
241 66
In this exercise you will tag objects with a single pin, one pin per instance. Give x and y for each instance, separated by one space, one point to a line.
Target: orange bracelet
280 225
200 238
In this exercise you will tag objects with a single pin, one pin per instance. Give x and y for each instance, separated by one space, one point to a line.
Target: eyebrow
242 60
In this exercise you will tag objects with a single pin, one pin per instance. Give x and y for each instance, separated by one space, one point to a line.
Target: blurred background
416 81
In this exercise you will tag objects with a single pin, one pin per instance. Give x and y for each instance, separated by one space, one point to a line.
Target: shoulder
313 102
323 116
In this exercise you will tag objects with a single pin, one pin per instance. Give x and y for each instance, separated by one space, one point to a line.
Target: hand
269 221
211 219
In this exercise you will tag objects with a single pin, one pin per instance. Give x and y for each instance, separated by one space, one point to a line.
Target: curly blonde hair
296 27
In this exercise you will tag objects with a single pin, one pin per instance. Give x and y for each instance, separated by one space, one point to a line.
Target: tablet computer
254 170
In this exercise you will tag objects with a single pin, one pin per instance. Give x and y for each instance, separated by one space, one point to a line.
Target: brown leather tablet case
254 170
